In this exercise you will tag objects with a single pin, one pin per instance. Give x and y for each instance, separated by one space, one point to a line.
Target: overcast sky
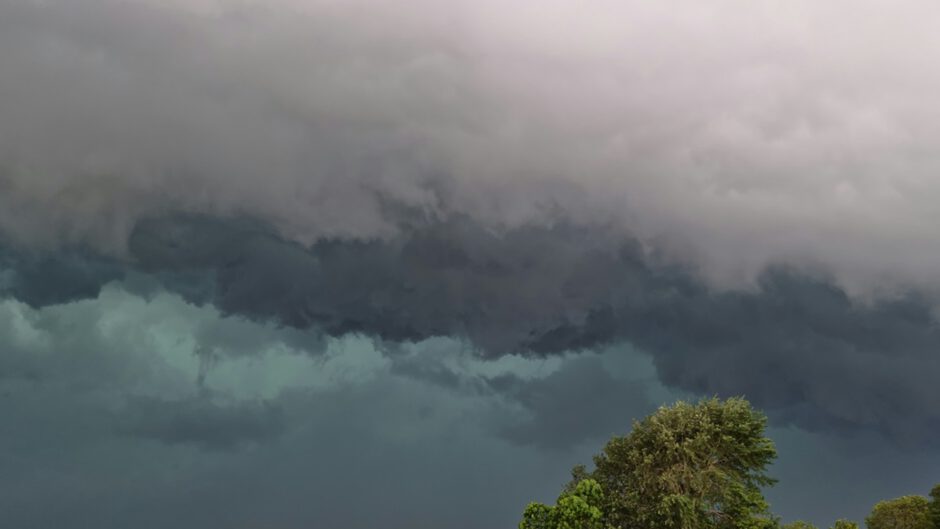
352 263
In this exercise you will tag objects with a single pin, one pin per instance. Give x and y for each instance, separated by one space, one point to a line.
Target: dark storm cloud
535 178
542 170
114 431
796 343
442 279
75 377
40 278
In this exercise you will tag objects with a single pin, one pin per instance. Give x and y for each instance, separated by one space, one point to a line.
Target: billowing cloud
395 430
806 141
796 344
741 195
41 278
106 423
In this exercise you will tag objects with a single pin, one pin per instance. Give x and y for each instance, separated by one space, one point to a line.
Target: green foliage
578 509
578 474
799 524
906 512
696 466
688 466
842 523
933 510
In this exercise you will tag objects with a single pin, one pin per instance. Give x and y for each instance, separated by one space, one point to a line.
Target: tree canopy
577 509
696 465
933 509
799 524
842 523
906 512
690 465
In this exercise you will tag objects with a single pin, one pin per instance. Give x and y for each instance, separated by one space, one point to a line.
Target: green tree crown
687 466
578 509
906 512
842 523
933 510
799 524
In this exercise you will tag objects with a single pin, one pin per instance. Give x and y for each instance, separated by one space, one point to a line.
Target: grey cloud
41 278
148 126
797 343
201 422
115 434
580 402
532 180
737 150
394 436
501 291
582 399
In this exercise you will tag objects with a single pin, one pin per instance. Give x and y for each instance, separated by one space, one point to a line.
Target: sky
352 263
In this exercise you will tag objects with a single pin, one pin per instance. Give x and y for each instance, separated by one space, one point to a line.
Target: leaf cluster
906 512
688 466
576 509
696 466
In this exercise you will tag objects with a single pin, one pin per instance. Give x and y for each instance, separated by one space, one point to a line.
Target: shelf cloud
743 195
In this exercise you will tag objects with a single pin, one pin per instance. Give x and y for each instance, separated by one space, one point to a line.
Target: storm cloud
803 141
730 199
796 343
202 422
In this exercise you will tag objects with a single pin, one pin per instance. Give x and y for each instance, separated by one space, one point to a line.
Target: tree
688 466
842 523
934 507
799 524
906 512
578 509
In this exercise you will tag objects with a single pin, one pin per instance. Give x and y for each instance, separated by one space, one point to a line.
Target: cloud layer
359 434
797 344
741 195
806 140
